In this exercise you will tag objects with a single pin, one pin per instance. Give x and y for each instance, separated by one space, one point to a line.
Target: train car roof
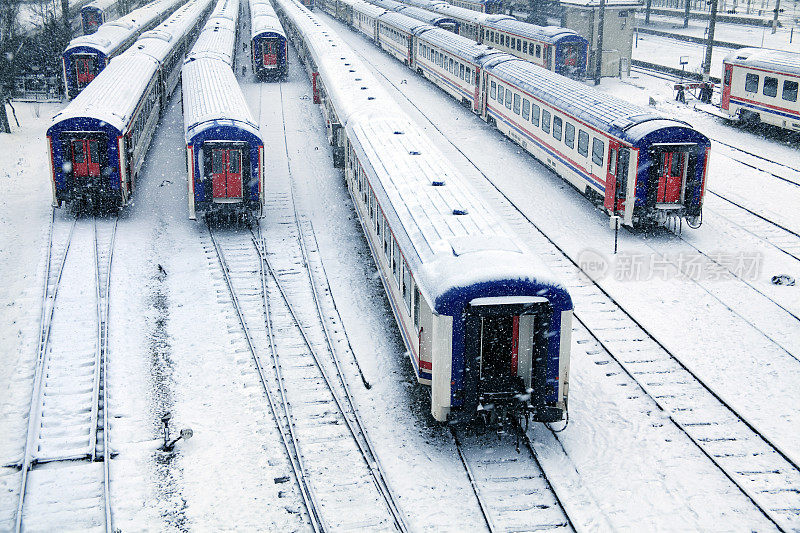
449 236
470 15
370 10
217 40
781 60
531 31
111 35
458 45
225 9
159 41
391 5
404 22
263 19
100 4
212 98
426 16
113 95
603 111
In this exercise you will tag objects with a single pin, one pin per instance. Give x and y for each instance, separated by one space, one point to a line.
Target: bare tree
9 37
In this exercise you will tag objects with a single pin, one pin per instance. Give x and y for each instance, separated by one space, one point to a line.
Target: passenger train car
485 323
98 143
554 48
224 150
638 165
86 56
268 42
98 13
760 85
481 6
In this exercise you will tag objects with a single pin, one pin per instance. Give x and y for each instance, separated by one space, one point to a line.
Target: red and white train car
760 85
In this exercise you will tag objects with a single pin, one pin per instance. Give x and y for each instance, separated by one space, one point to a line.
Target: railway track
278 301
763 472
66 454
512 490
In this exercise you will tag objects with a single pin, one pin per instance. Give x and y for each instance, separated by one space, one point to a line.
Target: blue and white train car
217 40
484 322
85 57
639 165
269 50
481 6
365 19
99 142
396 34
98 13
423 15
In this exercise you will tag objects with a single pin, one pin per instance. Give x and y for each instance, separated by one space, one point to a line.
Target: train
86 56
268 45
486 324
558 49
98 143
224 148
761 85
481 6
98 13
639 166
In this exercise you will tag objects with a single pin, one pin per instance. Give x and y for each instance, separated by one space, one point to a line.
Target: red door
84 70
270 54
670 177
226 172
85 158
726 86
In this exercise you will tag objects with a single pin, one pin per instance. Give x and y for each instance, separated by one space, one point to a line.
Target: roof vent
398 132
413 152
459 211
437 183
363 88
370 98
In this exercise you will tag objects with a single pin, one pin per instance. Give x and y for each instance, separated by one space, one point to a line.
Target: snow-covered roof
424 15
369 10
530 31
446 232
211 95
391 5
459 46
108 37
217 40
113 95
263 19
603 111
595 4
348 82
404 23
778 60
160 41
225 9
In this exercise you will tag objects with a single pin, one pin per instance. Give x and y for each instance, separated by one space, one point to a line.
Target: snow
175 342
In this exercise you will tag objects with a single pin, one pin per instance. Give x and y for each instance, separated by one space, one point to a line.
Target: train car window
450 67
386 246
469 76
394 258
508 98
770 86
500 93
399 273
519 45
513 42
751 83
789 91
728 76
493 91
598 151
546 121
569 135
407 288
535 114
516 104
526 109
525 47
538 50
583 143
557 127
461 72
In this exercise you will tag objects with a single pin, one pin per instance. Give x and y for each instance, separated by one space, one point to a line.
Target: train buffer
701 91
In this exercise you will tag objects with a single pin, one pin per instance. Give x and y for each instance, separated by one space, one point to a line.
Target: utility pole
686 13
4 126
598 71
775 16
647 11
710 43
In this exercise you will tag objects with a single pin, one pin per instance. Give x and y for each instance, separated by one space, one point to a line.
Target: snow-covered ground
175 342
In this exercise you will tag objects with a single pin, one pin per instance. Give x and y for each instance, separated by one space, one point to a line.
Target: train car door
671 175
726 87
226 173
269 54
85 158
85 70
616 191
